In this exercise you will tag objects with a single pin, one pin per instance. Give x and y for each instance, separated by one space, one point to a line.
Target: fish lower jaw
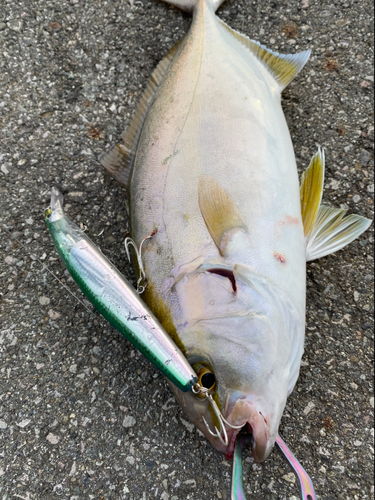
230 449
254 424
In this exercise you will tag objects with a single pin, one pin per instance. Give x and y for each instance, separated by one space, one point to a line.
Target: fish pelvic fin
283 67
189 5
327 230
118 161
219 211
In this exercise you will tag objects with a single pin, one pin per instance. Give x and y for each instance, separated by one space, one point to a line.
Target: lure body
115 298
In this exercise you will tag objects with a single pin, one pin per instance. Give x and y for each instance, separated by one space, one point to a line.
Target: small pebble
291 478
309 408
53 314
129 422
44 301
16 25
52 438
24 423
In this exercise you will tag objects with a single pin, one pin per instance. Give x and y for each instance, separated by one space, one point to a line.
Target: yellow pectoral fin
311 191
219 211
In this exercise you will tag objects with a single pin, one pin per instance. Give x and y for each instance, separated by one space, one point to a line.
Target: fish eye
206 378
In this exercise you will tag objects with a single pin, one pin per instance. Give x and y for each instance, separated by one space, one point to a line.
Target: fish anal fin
119 159
283 67
327 230
219 212
311 191
332 231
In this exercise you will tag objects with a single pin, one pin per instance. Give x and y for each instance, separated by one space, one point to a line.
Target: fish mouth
252 421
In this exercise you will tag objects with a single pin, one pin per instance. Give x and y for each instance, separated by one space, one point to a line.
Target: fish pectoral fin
333 231
219 211
118 161
327 230
311 190
283 67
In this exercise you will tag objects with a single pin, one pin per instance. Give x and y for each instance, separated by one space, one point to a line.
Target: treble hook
138 252
221 434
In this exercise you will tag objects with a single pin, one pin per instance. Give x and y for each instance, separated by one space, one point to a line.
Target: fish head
238 341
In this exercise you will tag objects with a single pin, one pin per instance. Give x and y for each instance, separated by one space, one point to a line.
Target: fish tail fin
189 5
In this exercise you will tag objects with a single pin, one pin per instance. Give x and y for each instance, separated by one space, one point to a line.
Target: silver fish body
214 172
218 114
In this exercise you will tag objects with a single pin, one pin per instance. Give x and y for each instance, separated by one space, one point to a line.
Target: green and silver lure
114 297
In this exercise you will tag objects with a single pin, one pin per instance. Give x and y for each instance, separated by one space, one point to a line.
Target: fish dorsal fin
327 230
283 67
219 211
311 190
333 231
119 159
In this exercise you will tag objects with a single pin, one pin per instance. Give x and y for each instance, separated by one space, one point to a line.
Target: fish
209 165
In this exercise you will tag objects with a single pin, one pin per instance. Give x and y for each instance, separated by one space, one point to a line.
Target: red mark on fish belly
291 220
280 257
287 220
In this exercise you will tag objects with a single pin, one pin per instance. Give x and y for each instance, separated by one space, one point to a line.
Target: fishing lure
114 297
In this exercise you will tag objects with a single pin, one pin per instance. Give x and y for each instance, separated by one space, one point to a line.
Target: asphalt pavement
82 414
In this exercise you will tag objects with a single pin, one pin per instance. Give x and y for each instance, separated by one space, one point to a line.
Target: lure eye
207 379
48 213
